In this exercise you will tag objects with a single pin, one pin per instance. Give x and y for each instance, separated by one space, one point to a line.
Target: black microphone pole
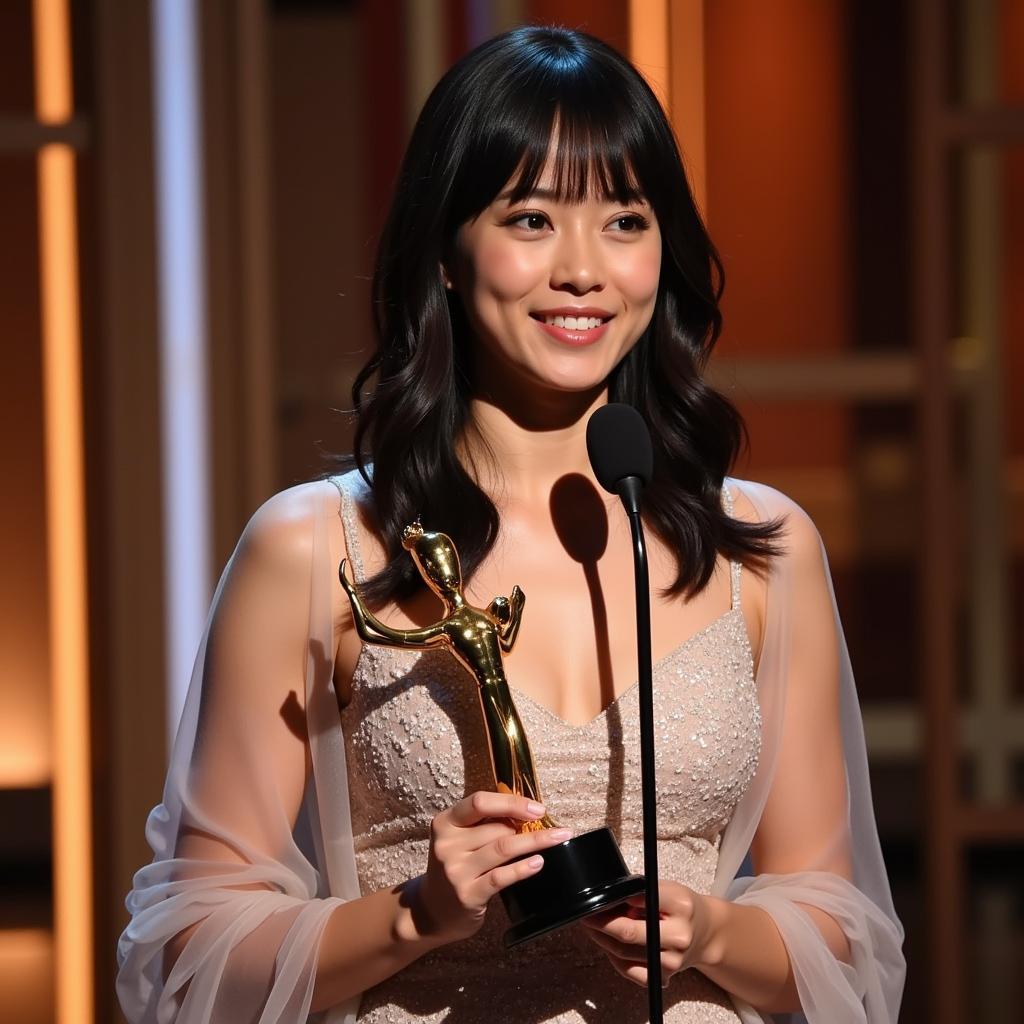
620 453
629 492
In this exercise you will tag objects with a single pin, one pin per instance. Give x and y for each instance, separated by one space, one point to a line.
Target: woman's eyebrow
537 193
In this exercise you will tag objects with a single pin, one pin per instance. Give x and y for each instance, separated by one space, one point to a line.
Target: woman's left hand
685 932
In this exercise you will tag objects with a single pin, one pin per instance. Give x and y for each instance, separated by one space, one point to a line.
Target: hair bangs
589 157
586 137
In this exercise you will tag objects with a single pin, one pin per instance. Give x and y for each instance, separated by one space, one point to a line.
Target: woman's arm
366 941
228 909
803 826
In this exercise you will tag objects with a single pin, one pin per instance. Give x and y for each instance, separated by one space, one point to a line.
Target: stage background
189 198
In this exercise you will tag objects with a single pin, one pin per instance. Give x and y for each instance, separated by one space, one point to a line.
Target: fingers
675 934
502 877
605 917
511 847
484 834
624 938
476 850
483 804
636 970
630 971
630 948
672 899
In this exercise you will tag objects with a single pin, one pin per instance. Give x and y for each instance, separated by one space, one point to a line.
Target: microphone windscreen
619 445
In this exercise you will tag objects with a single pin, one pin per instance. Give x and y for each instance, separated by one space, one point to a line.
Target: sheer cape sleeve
253 845
815 805
252 841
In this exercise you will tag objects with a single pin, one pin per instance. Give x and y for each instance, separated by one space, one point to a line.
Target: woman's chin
570 387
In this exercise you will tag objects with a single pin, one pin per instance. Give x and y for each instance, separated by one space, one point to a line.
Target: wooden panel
129 610
687 102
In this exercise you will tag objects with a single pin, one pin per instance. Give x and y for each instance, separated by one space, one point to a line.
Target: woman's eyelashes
531 222
635 223
534 223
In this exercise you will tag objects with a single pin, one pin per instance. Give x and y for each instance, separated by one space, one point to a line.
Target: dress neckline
521 695
632 689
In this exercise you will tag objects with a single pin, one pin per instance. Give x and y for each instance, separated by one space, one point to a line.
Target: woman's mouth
572 330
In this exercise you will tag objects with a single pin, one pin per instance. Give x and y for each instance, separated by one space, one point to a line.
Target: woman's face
556 293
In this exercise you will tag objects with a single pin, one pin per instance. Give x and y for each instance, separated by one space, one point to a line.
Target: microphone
619 446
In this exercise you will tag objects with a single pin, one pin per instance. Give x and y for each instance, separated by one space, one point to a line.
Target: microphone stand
629 490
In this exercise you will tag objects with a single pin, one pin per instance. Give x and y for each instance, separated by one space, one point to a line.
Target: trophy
584 874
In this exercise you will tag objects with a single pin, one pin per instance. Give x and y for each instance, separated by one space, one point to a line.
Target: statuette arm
372 631
508 612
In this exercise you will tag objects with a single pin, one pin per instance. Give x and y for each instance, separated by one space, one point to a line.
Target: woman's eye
529 221
629 223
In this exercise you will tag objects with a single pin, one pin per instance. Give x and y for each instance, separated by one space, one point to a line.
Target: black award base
581 875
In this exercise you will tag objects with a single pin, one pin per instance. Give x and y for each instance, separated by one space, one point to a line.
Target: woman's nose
577 266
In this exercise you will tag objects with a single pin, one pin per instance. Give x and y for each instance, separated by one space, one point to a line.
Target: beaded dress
416 745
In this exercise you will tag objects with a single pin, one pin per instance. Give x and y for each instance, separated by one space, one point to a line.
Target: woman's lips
573 338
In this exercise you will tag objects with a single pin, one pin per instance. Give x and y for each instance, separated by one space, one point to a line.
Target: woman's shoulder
353 484
291 513
280 533
761 503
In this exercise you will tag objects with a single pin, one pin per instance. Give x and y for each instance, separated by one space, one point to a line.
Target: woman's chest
575 651
416 742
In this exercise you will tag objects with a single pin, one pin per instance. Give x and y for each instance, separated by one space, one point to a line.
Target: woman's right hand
471 845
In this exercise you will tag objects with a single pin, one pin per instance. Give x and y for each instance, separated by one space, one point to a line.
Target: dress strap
735 568
349 516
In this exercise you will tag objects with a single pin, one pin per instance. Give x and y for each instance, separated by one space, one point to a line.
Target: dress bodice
416 744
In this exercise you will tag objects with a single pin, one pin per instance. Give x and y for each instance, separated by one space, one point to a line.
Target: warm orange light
648 44
686 90
26 974
53 61
65 502
24 744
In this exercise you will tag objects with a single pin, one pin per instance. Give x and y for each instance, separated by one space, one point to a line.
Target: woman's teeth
574 323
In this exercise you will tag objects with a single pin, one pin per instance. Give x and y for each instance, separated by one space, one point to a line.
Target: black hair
491 119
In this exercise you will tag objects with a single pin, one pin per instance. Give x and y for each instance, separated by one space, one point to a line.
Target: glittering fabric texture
416 745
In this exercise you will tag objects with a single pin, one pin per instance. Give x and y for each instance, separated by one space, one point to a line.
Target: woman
304 866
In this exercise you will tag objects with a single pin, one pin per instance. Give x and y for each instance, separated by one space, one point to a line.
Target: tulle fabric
870 987
252 841
276 853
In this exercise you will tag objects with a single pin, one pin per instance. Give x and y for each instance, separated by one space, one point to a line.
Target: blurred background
190 195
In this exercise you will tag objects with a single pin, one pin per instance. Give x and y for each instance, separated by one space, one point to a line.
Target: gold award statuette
583 874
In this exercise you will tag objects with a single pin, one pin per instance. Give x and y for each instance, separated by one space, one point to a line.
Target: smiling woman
543 256
542 177
515 260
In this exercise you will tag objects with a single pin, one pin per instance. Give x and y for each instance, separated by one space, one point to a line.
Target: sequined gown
416 745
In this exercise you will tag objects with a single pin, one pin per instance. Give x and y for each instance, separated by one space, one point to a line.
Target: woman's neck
524 449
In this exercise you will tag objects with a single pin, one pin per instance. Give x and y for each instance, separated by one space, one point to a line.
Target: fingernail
535 808
561 834
535 861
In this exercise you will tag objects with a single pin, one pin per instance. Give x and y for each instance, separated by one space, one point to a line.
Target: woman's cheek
640 278
505 271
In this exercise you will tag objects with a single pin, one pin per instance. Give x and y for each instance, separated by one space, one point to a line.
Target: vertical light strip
648 44
686 91
65 525
425 54
183 341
